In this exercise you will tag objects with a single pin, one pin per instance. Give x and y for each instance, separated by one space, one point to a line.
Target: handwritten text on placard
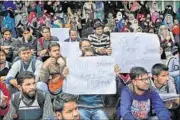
91 75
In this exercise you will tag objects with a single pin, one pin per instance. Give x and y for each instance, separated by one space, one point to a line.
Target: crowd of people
33 71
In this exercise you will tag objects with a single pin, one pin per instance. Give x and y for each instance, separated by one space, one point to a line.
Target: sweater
16 68
133 106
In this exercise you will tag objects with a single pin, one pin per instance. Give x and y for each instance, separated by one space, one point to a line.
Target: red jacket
6 93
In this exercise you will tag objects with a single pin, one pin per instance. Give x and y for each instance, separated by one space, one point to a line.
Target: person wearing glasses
138 97
65 107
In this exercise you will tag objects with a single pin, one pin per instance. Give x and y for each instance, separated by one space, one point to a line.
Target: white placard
91 75
70 49
60 33
135 49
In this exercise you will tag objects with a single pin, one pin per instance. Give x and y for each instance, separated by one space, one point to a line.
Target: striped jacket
97 42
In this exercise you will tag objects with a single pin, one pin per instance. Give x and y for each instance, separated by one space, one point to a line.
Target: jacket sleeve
35 41
55 38
38 68
48 108
89 38
13 71
159 107
108 43
16 44
5 91
66 40
44 74
10 114
125 105
172 88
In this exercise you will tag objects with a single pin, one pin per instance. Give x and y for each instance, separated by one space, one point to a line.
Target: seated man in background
84 44
4 65
28 39
91 106
73 36
9 44
163 84
99 41
27 62
52 71
44 41
174 67
161 81
137 98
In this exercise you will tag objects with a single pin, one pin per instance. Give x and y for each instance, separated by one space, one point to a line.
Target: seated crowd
33 71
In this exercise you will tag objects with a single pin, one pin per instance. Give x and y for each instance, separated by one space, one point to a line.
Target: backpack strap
22 68
34 59
15 100
33 64
41 96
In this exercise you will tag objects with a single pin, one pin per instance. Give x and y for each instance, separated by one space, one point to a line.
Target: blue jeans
42 86
177 84
92 114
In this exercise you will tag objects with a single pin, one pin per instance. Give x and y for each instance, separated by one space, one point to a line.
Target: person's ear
19 88
19 54
59 115
134 82
49 52
154 77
